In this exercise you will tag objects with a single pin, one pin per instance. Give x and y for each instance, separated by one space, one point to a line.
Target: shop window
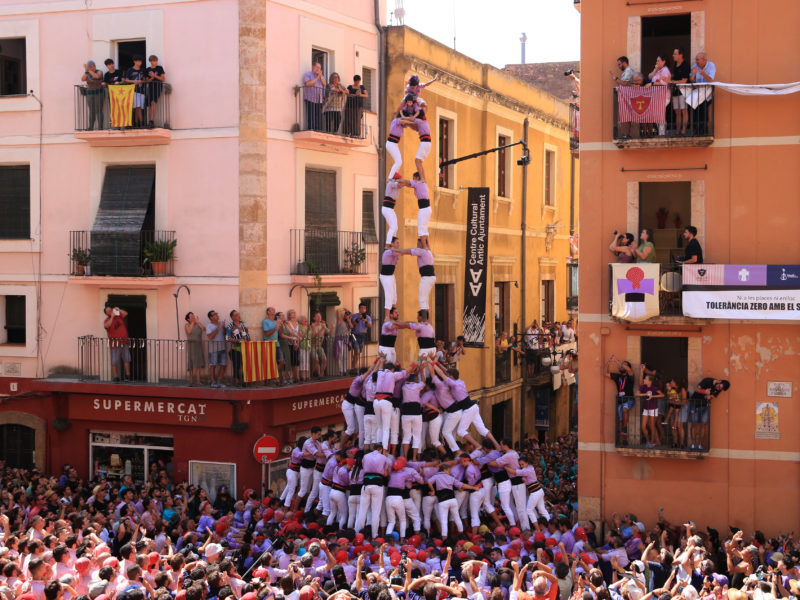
368 216
13 67
443 312
211 476
549 178
446 151
12 313
503 167
116 454
15 202
367 79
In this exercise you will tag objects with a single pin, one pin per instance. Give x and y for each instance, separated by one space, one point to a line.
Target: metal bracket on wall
703 168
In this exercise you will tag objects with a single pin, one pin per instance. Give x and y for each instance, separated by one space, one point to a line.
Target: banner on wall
741 292
634 291
476 266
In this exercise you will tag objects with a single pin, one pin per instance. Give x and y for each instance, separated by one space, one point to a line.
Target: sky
489 31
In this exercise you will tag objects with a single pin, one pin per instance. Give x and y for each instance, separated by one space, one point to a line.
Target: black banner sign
477 261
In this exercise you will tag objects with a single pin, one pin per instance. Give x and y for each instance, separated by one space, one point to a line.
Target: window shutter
366 81
15 202
368 216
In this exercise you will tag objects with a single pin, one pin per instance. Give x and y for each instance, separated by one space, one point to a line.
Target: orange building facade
734 176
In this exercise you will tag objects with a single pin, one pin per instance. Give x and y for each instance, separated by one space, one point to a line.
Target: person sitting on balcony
623 379
119 343
693 255
621 247
155 77
646 252
136 75
660 75
650 394
313 96
334 104
707 389
113 76
680 74
354 108
94 93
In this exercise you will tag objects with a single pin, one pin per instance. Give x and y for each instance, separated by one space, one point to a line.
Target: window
572 286
549 178
321 248
321 56
663 35
503 167
443 312
17 444
368 216
548 300
501 308
13 67
446 151
12 312
367 77
665 207
127 50
15 202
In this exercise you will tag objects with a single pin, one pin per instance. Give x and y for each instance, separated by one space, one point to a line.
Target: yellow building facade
474 107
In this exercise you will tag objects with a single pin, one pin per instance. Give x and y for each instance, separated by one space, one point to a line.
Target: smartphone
116 312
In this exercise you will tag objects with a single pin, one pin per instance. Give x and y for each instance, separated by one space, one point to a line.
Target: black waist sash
410 408
501 476
355 489
427 271
374 479
442 495
308 463
387 269
402 492
534 487
423 202
516 481
389 202
426 342
387 341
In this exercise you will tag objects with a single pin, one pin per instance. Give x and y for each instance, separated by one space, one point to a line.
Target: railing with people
125 106
672 429
330 252
337 113
122 253
166 361
697 98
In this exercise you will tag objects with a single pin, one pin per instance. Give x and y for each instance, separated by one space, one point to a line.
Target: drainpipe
524 274
382 86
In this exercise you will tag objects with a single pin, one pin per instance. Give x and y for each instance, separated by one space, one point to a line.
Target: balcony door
136 324
666 208
321 248
548 300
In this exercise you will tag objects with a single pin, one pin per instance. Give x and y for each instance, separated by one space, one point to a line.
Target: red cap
298 515
557 557
373 558
395 559
261 573
438 543
247 596
586 558
580 533
399 463
499 530
528 544
412 554
313 525
341 556
153 557
380 540
359 538
550 542
278 516
539 537
476 569
422 556
368 548
511 553
462 555
268 514
342 541
514 531
350 462
221 527
415 540
461 542
307 593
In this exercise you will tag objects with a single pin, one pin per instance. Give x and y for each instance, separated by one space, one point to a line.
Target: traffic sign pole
265 450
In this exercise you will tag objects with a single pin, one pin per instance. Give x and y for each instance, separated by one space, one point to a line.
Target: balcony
100 122
574 126
164 362
324 119
629 439
636 133
324 253
668 288
95 255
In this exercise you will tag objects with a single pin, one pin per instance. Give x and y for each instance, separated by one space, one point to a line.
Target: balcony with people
328 112
123 108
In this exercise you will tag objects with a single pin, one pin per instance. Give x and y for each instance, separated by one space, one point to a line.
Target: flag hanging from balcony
259 361
120 98
643 105
634 291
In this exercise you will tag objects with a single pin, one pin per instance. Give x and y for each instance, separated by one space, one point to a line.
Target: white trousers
423 216
389 291
471 416
475 501
504 490
371 429
292 479
384 410
423 151
434 429
412 509
391 222
536 507
448 510
449 425
393 150
325 499
520 494
488 495
306 479
371 502
349 412
412 430
428 504
426 284
353 503
427 353
389 353
463 505
359 410
396 515
313 493
338 512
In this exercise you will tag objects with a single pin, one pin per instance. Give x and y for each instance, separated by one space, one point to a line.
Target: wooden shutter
366 81
501 167
321 243
548 177
444 152
15 202
368 216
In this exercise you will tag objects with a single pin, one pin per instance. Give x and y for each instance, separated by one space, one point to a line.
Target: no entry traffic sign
265 449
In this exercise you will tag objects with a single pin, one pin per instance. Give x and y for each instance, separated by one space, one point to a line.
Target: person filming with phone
118 341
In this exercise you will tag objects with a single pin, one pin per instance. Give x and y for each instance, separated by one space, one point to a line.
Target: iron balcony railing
146 108
319 109
502 367
700 112
166 361
669 290
328 252
673 429
572 303
122 253
574 126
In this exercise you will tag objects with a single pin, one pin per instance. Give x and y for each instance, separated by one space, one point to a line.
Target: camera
568 73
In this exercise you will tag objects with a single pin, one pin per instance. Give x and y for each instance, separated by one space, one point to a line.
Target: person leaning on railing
703 71
332 108
94 93
313 95
118 340
623 379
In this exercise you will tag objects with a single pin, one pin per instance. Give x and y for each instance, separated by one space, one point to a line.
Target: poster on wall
277 475
211 475
634 291
742 292
476 267
767 421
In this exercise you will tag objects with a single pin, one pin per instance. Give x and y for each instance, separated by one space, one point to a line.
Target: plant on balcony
353 257
81 258
158 253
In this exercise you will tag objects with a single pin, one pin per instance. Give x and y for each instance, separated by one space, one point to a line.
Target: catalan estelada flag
120 99
259 361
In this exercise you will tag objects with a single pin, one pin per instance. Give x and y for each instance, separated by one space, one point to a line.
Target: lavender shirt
310 448
387 380
509 459
392 190
375 462
424 257
356 387
444 481
423 128
404 478
487 458
420 190
313 93
342 477
395 129
457 388
528 475
443 394
423 329
411 390
429 397
330 468
296 456
389 257
368 392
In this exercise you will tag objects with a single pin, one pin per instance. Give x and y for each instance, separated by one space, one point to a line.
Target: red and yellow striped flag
120 98
259 361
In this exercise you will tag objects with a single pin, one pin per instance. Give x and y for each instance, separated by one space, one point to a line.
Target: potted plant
158 253
81 258
354 256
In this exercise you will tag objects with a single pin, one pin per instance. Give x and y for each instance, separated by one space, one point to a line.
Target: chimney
522 40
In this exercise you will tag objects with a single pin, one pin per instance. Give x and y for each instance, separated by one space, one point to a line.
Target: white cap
213 550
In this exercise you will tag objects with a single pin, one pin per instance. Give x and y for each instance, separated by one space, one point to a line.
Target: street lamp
175 294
